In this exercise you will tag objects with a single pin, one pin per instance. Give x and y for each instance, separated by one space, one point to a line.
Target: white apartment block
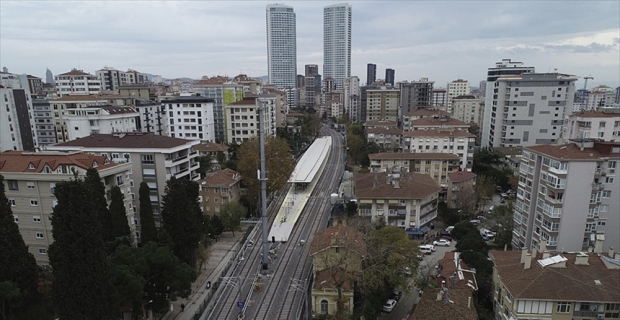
100 119
223 93
281 46
457 88
77 82
466 108
154 159
352 96
242 118
528 109
600 97
111 79
60 106
17 126
337 43
382 103
601 125
568 196
439 98
190 117
437 165
30 179
437 122
459 142
152 117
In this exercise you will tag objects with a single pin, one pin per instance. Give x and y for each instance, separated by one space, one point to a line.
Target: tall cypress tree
182 218
120 226
18 268
147 222
96 193
78 256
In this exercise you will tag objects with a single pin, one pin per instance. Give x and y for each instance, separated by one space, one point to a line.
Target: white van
427 249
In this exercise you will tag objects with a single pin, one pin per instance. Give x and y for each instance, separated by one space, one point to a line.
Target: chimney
617 256
543 246
582 259
523 254
545 254
396 183
598 245
440 295
468 302
611 252
528 261
534 252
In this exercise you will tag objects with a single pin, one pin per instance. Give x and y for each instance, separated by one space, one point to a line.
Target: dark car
445 235
396 295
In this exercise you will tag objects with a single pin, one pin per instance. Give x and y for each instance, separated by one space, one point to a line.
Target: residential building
405 200
77 82
382 103
60 106
99 119
555 285
506 67
466 108
242 118
422 113
457 88
439 98
35 85
600 97
135 77
388 139
139 91
154 159
371 73
527 109
352 98
217 152
416 95
389 77
439 122
459 142
217 189
44 127
17 126
111 79
30 179
511 157
387 124
602 125
337 42
282 46
437 165
191 117
223 92
337 254
152 117
461 189
568 196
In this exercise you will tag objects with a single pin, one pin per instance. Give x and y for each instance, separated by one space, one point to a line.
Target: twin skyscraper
282 44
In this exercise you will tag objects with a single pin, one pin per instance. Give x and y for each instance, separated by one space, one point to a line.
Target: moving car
389 305
442 242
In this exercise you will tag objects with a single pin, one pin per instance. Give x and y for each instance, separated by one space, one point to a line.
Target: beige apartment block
30 179
437 165
217 189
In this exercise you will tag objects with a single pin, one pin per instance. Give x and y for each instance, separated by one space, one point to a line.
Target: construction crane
586 81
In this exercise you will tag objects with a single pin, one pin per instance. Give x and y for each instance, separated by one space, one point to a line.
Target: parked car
427 249
484 237
420 257
396 295
449 229
487 233
445 235
475 221
503 194
442 242
491 208
407 271
389 305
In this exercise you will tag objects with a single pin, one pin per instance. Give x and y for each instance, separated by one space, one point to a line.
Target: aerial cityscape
179 160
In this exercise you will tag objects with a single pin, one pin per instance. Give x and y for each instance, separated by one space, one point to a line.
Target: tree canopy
148 230
231 214
120 225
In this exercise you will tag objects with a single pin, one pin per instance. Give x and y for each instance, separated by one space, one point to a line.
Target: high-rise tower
389 76
337 43
371 73
282 46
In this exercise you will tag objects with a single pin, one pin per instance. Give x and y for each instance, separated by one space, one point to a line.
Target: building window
42 251
13 185
39 235
36 218
16 218
606 194
34 202
12 202
563 307
324 306
147 159
30 185
119 180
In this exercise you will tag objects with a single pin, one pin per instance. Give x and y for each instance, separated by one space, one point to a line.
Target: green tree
501 221
231 214
462 228
447 215
148 230
182 218
351 208
120 226
78 255
217 224
205 165
472 241
18 268
96 193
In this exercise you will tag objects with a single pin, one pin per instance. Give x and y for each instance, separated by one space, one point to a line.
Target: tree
181 217
447 215
501 221
147 222
351 208
231 214
472 241
462 228
205 165
18 268
96 193
485 188
78 255
120 226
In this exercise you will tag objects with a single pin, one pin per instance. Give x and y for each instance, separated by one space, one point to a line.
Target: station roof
311 161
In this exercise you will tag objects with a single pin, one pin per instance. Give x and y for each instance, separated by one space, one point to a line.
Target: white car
389 305
442 242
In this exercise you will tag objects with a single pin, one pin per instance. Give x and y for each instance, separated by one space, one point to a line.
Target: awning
425 229
414 231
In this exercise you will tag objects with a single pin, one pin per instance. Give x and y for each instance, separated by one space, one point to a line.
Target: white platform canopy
311 161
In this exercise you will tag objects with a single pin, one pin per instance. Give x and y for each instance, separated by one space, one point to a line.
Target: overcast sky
439 40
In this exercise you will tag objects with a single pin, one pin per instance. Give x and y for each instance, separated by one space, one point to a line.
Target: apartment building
223 92
461 189
152 117
459 142
388 139
99 119
139 91
600 97
568 196
30 179
60 106
416 95
17 125
382 103
337 42
154 159
217 189
77 82
437 165
437 123
242 118
407 200
111 79
527 109
44 127
281 45
457 88
352 98
439 98
602 125
191 117
422 113
556 285
466 108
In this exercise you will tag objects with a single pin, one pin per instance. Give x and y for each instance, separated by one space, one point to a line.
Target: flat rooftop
311 161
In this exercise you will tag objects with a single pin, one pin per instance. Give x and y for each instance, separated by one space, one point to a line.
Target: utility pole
263 183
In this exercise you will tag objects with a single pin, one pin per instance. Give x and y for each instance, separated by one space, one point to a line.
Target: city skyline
281 46
581 40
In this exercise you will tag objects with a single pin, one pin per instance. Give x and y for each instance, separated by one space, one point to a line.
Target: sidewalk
220 254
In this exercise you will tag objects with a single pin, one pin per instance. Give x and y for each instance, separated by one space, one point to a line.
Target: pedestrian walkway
220 254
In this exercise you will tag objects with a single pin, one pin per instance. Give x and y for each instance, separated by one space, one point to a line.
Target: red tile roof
432 133
429 308
571 283
413 156
570 152
595 114
86 97
461 176
247 101
325 279
378 123
20 161
224 178
383 130
130 140
75 72
338 236
428 121
428 112
211 147
411 186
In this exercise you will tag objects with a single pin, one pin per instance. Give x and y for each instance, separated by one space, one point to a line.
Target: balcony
600 172
587 314
553 199
597 186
